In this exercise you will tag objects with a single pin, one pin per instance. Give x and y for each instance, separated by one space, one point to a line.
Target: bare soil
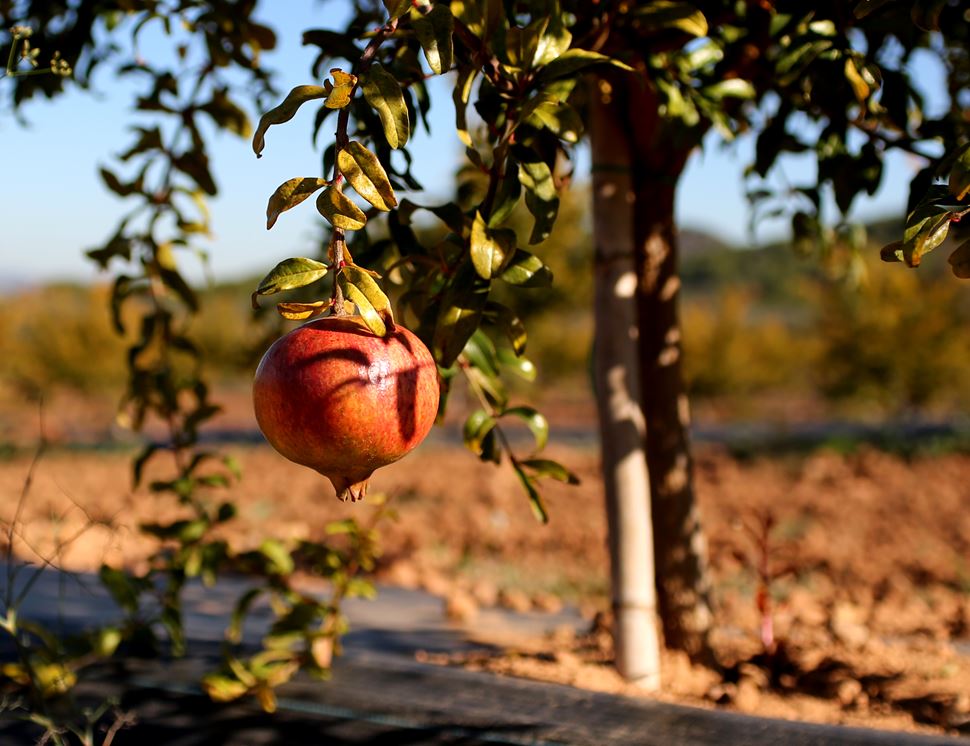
869 556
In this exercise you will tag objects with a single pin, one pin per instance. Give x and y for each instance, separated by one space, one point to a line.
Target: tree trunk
619 402
683 586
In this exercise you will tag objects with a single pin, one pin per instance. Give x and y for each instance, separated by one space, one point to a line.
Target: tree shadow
164 718
370 373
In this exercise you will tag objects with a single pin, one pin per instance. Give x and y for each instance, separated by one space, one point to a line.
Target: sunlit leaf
384 94
521 366
301 311
341 90
289 275
730 88
661 14
527 270
434 32
340 209
536 422
289 194
478 425
540 198
490 248
285 112
366 175
365 288
221 688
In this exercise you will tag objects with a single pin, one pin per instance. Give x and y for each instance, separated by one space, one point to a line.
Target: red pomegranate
334 396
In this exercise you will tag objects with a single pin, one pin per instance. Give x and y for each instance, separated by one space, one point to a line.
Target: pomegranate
334 396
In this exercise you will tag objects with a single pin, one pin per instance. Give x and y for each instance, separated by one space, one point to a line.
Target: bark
658 156
619 402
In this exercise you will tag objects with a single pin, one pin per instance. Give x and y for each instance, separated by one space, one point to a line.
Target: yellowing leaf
340 210
859 86
342 89
289 194
384 94
285 112
366 175
301 311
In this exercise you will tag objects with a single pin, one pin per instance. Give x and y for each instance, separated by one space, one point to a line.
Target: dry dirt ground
869 556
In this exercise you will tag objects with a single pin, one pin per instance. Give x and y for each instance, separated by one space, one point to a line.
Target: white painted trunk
619 401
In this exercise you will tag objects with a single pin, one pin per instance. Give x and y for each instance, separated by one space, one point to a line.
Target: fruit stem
336 254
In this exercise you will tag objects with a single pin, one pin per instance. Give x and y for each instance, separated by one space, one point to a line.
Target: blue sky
54 204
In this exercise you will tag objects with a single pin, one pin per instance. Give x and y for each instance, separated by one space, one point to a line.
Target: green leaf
661 14
555 41
546 468
461 94
221 688
285 112
924 233
960 175
960 261
434 32
234 630
490 249
536 421
540 198
506 196
289 194
124 588
478 425
279 557
340 209
462 305
503 317
561 119
289 275
527 270
366 175
535 499
521 366
373 305
480 352
892 252
574 60
384 94
730 88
